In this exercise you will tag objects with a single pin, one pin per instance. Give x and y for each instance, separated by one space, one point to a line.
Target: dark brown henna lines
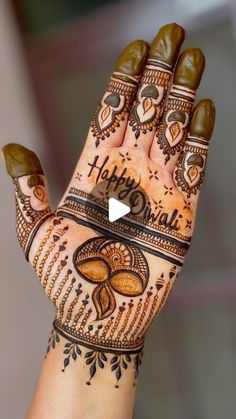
147 108
114 106
52 341
32 208
171 131
95 359
158 236
189 172
111 266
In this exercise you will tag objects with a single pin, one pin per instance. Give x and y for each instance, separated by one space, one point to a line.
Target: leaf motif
93 370
100 363
147 104
192 173
66 362
88 354
118 373
66 351
57 338
128 358
103 356
105 113
104 301
127 283
175 130
89 361
114 359
53 344
114 367
74 355
68 344
78 350
124 365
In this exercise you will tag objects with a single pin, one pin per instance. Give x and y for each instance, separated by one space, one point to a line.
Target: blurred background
55 60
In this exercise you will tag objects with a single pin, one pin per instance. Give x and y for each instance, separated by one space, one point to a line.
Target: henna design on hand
189 172
107 280
147 107
114 105
112 266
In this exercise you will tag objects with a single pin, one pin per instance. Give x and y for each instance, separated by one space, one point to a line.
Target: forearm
70 394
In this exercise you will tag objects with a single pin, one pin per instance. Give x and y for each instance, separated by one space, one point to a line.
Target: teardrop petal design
192 173
175 130
104 301
127 283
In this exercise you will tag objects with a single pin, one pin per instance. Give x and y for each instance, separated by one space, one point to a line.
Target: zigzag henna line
116 324
60 232
85 320
124 346
65 298
70 310
78 315
62 283
49 269
44 260
107 327
93 347
150 317
41 246
136 314
126 319
164 297
55 277
143 314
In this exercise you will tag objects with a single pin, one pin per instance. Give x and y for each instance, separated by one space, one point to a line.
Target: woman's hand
147 147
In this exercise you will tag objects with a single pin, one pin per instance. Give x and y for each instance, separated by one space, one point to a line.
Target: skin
170 180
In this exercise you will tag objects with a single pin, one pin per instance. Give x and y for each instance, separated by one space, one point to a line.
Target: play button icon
116 209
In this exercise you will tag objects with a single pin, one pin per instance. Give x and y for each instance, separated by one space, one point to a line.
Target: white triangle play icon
116 209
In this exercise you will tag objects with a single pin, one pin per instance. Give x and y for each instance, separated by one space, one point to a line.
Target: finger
109 123
189 171
171 132
32 204
148 105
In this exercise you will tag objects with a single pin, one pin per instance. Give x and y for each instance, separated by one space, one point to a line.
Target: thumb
32 203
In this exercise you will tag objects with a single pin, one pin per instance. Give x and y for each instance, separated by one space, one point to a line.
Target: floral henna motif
147 108
31 207
189 172
112 266
172 130
114 105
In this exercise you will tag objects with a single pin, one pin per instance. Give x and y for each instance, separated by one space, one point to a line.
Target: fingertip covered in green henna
190 68
132 59
203 119
167 43
21 161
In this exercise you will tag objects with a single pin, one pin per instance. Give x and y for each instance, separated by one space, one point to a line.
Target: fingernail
132 59
190 67
203 119
167 43
21 161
